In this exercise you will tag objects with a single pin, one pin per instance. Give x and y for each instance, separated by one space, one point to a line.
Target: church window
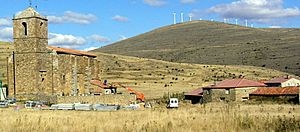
25 28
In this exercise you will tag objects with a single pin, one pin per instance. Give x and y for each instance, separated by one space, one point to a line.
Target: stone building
276 95
38 70
283 82
196 96
230 90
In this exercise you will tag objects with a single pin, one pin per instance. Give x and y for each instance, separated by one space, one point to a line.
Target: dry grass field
209 117
156 78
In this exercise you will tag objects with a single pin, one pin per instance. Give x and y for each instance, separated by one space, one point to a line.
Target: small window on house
227 91
222 98
41 24
25 28
245 98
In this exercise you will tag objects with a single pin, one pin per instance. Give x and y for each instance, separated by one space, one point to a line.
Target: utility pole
14 72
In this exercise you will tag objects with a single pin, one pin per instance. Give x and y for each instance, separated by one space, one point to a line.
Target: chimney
287 77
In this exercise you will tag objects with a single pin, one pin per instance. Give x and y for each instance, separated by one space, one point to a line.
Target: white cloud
90 48
73 17
99 38
66 41
6 34
188 1
255 10
155 2
120 18
5 22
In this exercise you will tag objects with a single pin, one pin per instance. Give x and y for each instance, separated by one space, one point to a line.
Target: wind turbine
182 20
190 16
174 16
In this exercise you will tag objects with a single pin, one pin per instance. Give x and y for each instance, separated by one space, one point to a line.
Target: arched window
25 28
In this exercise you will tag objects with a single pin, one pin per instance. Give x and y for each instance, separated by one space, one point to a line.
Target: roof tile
276 91
196 92
71 51
278 80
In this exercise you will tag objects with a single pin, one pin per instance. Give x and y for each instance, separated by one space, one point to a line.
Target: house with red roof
195 96
230 90
276 94
283 82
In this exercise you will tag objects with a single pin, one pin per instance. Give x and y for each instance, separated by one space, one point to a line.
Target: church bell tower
31 56
30 31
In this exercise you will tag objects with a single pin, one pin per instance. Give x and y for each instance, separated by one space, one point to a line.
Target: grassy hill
156 78
205 42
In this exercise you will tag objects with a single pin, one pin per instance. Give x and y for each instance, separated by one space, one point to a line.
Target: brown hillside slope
206 42
155 78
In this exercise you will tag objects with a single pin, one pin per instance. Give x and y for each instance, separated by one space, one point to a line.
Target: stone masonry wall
244 93
218 95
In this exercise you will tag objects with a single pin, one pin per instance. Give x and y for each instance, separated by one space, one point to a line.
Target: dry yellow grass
155 77
209 117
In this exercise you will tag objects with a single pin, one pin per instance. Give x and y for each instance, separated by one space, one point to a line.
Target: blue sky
87 24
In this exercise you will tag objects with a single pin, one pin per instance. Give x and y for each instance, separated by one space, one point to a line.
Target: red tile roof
237 83
71 51
278 80
276 91
196 92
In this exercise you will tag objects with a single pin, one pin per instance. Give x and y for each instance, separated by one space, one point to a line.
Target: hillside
155 78
205 42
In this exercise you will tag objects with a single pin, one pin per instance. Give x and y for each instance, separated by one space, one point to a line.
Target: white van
173 103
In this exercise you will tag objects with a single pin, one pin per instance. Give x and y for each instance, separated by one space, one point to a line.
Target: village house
283 82
195 96
275 94
38 70
230 90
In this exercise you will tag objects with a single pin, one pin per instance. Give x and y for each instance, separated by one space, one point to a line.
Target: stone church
36 69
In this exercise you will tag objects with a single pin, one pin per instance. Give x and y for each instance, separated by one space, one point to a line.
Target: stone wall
233 94
50 74
218 95
242 94
275 99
